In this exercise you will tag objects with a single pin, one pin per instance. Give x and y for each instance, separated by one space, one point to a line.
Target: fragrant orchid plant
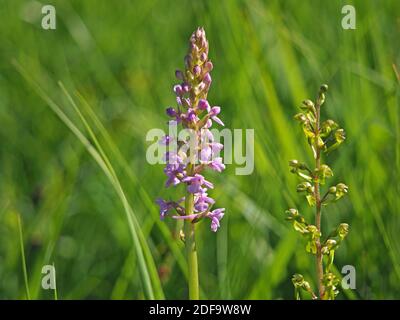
323 138
188 157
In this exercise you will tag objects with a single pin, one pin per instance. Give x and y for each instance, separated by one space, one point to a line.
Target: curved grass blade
21 242
141 247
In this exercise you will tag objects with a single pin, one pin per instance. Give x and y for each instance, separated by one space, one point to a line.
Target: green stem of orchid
191 250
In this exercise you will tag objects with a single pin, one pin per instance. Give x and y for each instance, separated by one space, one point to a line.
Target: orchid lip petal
218 120
187 217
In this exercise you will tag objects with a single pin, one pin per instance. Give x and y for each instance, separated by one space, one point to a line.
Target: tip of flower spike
200 32
324 88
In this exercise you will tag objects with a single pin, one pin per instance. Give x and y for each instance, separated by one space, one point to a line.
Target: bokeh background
117 60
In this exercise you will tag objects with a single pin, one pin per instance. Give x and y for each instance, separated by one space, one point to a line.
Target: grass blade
137 237
21 242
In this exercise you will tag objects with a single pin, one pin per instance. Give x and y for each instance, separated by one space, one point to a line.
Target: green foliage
120 57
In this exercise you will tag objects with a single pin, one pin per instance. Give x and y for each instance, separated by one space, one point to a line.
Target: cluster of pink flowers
193 113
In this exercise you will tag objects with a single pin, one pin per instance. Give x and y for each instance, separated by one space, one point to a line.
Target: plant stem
318 203
190 242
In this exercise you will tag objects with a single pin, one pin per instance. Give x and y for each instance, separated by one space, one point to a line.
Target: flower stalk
190 244
189 155
319 265
323 137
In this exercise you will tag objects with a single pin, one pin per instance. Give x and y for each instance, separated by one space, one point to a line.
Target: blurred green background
121 57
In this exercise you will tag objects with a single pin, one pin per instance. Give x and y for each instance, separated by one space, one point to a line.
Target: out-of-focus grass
120 57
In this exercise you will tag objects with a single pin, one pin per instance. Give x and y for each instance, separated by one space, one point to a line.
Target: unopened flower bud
179 74
208 66
308 104
198 33
305 186
332 190
178 90
203 57
196 70
207 79
293 212
294 163
324 88
188 61
300 117
185 87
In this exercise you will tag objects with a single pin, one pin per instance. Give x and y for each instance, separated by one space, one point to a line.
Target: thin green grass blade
21 242
55 284
147 254
137 237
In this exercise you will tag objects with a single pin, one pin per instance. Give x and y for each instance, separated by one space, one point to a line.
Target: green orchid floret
301 117
308 105
330 282
307 120
342 230
334 140
335 193
312 235
299 223
339 233
340 135
339 190
297 167
299 283
329 245
306 187
309 231
323 172
332 243
327 127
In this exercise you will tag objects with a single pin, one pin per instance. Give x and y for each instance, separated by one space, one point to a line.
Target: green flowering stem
190 243
322 137
320 271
